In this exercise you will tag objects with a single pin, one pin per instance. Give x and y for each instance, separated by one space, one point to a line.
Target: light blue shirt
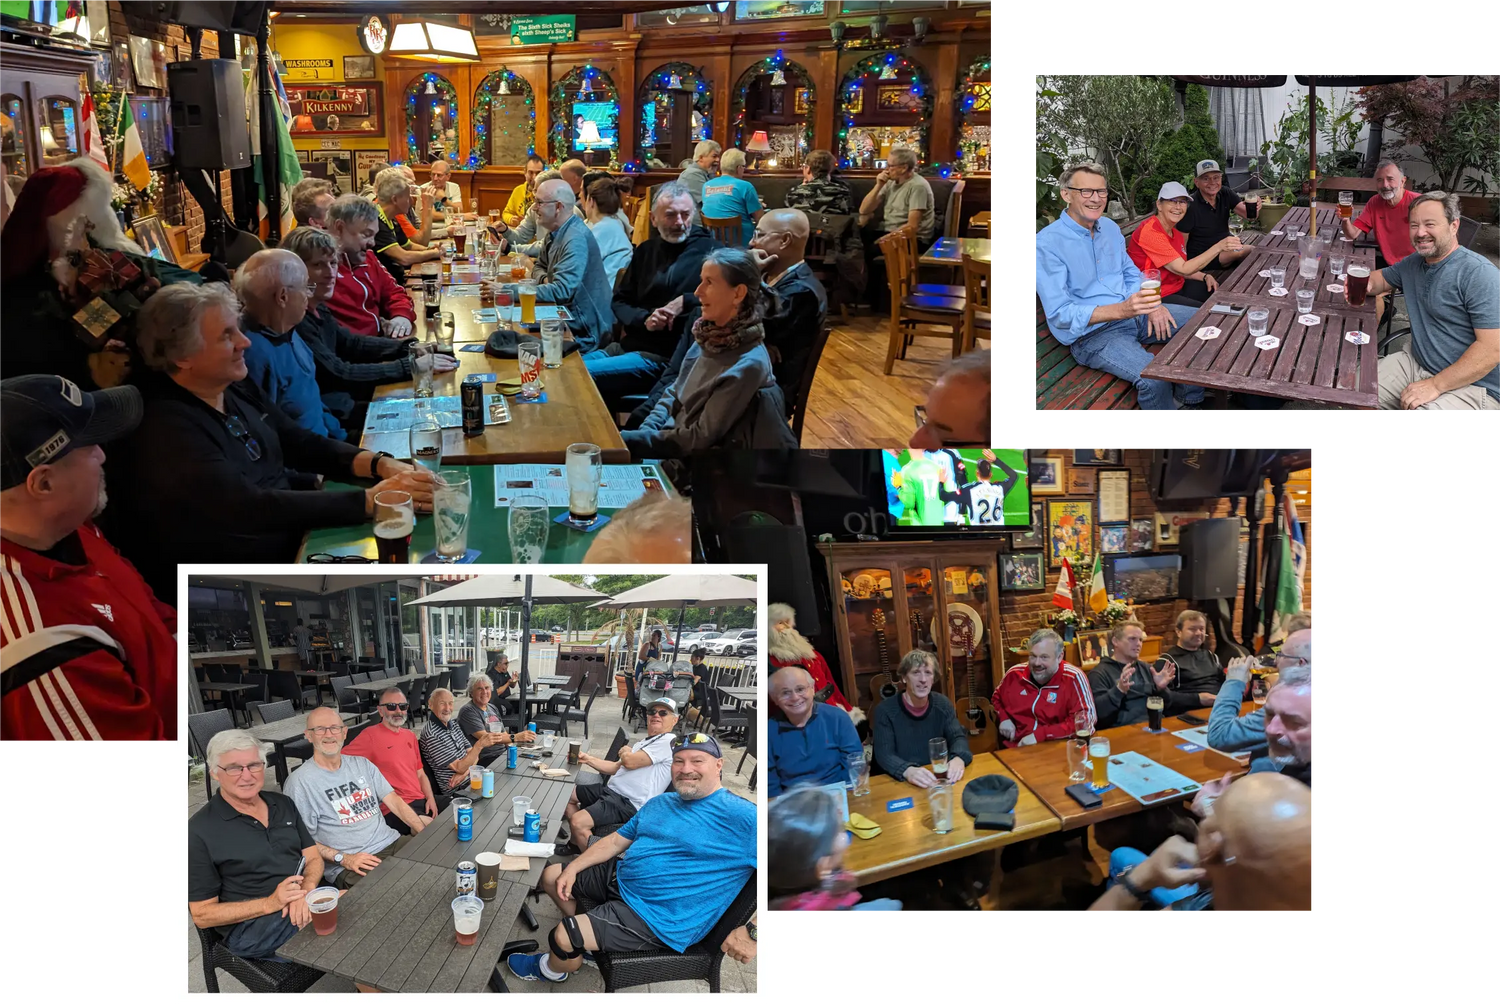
284 370
727 196
1078 270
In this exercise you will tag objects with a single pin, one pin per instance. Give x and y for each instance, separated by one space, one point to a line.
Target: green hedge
1181 150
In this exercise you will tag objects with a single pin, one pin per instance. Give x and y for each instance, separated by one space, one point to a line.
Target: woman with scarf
806 849
714 401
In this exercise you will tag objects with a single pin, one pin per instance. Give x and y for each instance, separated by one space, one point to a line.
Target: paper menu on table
1147 781
619 484
1200 736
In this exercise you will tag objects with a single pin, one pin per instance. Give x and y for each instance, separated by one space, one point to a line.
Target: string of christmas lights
773 65
443 94
484 98
586 80
660 79
886 65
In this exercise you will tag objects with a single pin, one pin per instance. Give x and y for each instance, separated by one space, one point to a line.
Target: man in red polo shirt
1386 216
393 749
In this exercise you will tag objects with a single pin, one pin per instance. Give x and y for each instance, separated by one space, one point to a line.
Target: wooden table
232 690
907 843
1310 363
288 730
1044 769
395 932
745 695
438 844
951 251
979 223
1246 279
1296 218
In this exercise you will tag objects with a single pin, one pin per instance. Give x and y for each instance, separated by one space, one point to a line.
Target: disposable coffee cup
489 874
323 902
574 748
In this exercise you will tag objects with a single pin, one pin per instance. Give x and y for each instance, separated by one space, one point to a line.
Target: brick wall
1020 612
178 208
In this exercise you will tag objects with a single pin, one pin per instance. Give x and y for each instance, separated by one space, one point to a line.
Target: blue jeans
1118 348
626 373
1122 858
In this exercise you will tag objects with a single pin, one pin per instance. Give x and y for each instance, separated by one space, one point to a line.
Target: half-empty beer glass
528 528
584 467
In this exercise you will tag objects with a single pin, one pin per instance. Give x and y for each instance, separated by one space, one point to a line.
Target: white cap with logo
1204 166
1173 190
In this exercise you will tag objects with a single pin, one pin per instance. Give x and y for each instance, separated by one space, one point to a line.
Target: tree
1119 120
1455 126
1178 154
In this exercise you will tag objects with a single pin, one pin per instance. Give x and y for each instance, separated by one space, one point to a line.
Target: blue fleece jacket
282 366
817 753
1230 731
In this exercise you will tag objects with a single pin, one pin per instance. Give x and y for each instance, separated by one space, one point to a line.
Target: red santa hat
47 205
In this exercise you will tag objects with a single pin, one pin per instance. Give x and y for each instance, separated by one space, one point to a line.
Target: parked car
708 627
730 642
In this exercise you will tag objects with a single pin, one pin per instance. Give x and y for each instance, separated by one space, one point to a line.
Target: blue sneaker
529 967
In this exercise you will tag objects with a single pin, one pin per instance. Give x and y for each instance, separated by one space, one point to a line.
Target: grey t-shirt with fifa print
341 808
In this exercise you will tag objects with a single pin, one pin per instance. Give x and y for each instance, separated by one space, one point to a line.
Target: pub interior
1001 679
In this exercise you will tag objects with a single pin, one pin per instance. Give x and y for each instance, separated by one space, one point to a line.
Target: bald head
272 286
782 233
958 405
1298 645
1257 844
323 716
651 530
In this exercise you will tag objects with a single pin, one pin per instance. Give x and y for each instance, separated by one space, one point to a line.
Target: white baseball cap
1204 166
1173 190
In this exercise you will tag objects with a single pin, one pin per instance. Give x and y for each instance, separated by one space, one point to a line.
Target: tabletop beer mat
395 932
1199 737
619 484
1147 781
1247 278
1314 363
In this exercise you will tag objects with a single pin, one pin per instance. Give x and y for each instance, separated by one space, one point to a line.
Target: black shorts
605 807
616 926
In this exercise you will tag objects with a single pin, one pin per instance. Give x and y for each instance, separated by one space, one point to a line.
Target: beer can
472 397
468 878
533 831
466 822
510 757
489 783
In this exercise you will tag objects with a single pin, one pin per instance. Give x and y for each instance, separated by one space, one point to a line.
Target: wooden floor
853 403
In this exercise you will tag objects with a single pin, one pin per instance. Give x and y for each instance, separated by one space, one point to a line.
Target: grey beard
102 501
673 240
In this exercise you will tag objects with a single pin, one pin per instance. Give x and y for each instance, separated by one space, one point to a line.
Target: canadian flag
93 142
1062 596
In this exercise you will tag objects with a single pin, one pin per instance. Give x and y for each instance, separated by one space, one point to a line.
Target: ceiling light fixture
433 42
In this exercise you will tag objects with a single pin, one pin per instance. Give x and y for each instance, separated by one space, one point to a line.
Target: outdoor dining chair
700 962
575 715
204 727
258 975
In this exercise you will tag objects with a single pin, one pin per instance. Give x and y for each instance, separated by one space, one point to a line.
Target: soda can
466 822
489 783
510 757
533 831
472 397
468 878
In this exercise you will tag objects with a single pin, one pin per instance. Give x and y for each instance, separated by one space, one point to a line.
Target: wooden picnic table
951 251
1043 768
395 932
438 844
1246 278
907 843
1315 364
1297 218
745 695
288 730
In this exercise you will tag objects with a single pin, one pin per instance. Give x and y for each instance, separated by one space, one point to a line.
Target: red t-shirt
1150 247
1390 226
397 756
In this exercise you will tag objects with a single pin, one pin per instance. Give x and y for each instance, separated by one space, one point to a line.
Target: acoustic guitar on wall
883 685
975 713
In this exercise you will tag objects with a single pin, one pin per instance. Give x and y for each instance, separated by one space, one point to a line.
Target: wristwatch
1142 895
375 464
752 930
338 857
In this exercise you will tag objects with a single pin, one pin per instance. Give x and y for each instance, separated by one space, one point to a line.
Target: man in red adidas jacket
1036 701
366 300
87 651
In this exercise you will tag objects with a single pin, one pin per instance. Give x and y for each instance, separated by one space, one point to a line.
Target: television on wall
968 489
1142 578
604 118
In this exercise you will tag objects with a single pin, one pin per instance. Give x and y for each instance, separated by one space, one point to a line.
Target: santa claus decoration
788 647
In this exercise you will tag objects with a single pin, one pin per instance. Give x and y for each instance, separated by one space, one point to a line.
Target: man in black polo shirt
395 250
244 847
1207 222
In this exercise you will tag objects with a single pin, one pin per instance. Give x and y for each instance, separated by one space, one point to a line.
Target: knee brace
571 926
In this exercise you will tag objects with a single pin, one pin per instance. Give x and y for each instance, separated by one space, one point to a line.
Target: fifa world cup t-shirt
341 808
716 833
986 504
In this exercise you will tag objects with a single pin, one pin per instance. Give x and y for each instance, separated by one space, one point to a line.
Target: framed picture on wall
340 165
1046 475
152 236
336 110
1028 540
1082 480
1097 458
1114 538
1070 534
359 67
803 99
1092 646
365 161
1141 537
1022 573
855 105
1114 496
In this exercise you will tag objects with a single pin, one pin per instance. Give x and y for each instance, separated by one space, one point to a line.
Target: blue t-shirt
1448 302
818 753
730 196
716 834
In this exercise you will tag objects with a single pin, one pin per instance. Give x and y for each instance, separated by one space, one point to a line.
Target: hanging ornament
504 87
887 72
585 87
674 83
430 88
778 79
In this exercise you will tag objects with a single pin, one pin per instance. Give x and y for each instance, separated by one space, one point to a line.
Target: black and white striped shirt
440 745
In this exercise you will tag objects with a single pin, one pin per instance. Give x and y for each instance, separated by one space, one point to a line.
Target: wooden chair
976 302
727 230
909 309
914 255
798 404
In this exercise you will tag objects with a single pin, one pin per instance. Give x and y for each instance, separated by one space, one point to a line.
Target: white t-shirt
987 504
641 784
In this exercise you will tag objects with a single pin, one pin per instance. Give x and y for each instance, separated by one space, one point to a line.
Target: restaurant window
670 91
585 109
59 124
13 143
431 120
974 116
772 10
699 13
885 101
504 120
775 96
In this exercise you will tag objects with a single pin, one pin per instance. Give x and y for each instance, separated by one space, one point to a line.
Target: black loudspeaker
208 114
1210 551
789 579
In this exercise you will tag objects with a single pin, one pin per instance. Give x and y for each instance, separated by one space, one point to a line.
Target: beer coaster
1264 273
1187 747
599 520
540 399
480 378
476 347
1309 319
897 804
1334 287
469 557
1276 292
1209 332
1267 342
1277 233
1357 337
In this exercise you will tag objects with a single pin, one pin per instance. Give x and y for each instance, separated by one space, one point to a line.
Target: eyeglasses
310 288
326 730
658 713
236 428
395 707
235 769
1090 193
324 558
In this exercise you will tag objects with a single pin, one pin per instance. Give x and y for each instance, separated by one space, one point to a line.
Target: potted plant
620 691
1275 200
1066 622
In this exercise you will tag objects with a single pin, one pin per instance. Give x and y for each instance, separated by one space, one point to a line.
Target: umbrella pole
1312 157
525 652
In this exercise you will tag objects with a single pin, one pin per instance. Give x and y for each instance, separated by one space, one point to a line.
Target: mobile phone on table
1192 718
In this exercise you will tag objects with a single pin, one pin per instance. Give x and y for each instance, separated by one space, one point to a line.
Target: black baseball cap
43 418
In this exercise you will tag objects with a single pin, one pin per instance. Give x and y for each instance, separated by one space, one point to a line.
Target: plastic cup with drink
519 806
1151 283
467 912
395 518
323 904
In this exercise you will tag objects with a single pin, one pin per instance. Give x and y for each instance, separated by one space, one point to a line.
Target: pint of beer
1346 205
1252 208
1099 753
1151 283
1153 713
395 519
528 302
1359 282
476 778
458 240
323 904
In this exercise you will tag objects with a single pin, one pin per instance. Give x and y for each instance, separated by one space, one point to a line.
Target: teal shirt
730 196
1448 302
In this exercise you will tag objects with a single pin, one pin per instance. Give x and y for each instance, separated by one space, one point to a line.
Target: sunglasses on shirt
236 428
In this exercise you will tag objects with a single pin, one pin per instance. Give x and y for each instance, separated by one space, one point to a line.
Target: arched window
431 120
660 93
581 103
504 120
974 116
885 100
59 130
775 96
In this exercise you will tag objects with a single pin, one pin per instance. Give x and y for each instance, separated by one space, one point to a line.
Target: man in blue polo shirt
731 195
810 742
1091 292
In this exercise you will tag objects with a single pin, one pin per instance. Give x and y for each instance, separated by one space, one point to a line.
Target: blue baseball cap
44 418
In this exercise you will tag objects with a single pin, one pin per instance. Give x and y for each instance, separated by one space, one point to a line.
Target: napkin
552 771
514 863
520 848
862 827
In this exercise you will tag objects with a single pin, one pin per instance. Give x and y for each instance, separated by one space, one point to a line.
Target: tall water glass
529 359
940 801
1307 266
859 774
529 522
451 501
937 756
421 368
426 441
1336 266
552 343
584 466
445 331
1260 321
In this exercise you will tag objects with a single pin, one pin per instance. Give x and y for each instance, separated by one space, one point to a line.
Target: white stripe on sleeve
83 715
62 710
44 711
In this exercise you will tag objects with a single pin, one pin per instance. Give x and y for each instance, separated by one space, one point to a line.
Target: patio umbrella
683 591
319 585
511 590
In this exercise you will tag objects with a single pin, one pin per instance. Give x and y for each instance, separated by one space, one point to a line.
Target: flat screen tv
969 490
602 115
1143 578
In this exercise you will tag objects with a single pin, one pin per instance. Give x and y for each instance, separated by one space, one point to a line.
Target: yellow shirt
516 206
